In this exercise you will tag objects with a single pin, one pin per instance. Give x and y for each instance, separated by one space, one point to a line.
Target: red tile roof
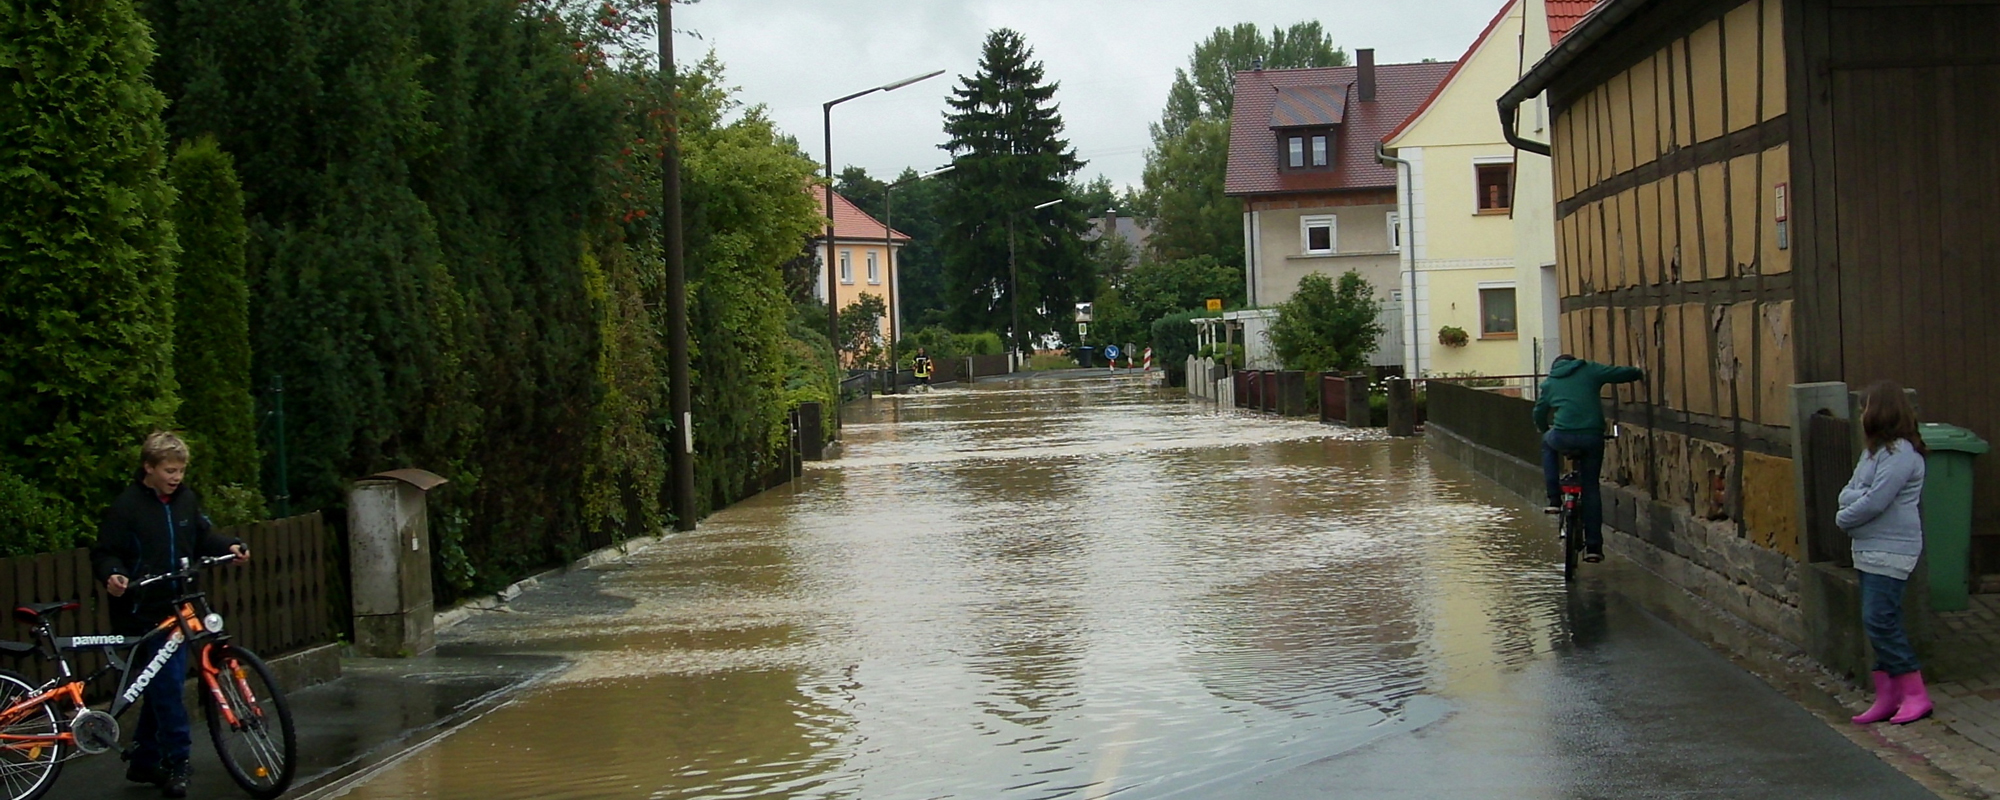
849 221
1253 147
1564 15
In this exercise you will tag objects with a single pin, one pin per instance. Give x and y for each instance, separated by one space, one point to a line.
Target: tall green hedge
212 335
86 292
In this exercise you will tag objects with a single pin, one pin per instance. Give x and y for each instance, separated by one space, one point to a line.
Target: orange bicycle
43 726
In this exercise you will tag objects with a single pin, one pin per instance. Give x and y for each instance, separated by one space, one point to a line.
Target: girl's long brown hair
1886 416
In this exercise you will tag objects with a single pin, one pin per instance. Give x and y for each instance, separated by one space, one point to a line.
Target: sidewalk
378 710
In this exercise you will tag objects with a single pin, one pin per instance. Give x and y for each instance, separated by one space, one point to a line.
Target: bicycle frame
184 628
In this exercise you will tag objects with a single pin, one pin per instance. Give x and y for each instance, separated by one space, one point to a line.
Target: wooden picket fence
275 604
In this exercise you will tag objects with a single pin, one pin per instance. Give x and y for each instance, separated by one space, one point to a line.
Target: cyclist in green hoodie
1571 418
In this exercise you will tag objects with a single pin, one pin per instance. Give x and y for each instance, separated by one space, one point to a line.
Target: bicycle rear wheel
27 768
1572 540
249 720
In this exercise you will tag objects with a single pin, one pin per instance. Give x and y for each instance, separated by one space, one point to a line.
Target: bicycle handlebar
187 570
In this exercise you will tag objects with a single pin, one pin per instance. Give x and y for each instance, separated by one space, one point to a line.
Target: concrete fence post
389 544
1402 408
1358 413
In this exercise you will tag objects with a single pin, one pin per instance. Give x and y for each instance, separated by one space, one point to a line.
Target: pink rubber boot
1916 703
1888 695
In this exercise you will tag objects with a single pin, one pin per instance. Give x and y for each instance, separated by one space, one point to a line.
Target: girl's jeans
1882 617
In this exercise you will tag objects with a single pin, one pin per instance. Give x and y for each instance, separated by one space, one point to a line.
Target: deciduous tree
1328 327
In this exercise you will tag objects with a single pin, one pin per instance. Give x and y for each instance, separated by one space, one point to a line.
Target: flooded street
1086 587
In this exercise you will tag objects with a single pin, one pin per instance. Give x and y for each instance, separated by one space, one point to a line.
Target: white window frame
1513 182
1307 223
1395 225
1295 152
1318 151
847 267
1487 286
874 269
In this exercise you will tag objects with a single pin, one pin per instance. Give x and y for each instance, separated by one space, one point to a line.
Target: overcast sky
1114 60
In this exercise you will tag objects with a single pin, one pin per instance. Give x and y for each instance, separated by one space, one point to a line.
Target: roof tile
1564 15
849 221
1253 147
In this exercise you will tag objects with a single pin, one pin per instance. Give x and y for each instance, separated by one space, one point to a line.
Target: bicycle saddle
18 649
32 613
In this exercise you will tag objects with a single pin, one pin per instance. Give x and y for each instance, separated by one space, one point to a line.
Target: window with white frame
874 270
1396 231
1318 235
847 266
1494 180
1496 311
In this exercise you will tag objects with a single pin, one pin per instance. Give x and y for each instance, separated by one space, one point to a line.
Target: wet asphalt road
1090 588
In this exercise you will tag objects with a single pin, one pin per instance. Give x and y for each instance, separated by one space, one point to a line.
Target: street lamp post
1014 277
832 305
889 255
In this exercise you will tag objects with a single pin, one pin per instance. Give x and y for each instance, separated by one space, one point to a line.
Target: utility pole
679 402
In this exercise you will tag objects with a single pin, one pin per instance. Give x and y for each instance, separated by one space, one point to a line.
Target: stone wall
1682 538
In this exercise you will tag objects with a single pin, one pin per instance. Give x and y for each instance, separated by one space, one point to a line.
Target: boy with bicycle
153 524
1570 415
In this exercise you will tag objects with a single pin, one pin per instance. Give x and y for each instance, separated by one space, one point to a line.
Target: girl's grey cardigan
1878 508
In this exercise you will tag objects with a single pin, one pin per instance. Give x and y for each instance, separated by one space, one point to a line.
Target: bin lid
1939 436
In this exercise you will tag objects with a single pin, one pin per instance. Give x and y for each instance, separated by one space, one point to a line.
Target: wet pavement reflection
1087 587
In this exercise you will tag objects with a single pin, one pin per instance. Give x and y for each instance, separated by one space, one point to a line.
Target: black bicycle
43 726
1569 515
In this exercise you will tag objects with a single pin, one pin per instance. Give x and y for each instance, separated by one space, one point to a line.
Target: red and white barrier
1149 359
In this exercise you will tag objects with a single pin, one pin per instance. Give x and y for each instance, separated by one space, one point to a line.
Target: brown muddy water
1060 589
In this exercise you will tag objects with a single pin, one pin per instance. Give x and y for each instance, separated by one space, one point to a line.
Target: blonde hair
161 447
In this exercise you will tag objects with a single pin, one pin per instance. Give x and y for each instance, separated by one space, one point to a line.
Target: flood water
1088 587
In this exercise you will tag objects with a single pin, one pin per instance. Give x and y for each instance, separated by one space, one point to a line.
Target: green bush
212 340
1328 327
1173 341
86 295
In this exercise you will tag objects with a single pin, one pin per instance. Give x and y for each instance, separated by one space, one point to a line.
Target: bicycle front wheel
30 757
249 720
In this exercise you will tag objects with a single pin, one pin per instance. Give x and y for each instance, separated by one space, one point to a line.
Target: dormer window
1305 118
1307 149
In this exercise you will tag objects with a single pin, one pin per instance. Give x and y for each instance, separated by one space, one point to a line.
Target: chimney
1364 80
1110 222
1256 63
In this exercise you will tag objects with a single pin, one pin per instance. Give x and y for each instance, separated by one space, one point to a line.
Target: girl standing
1878 510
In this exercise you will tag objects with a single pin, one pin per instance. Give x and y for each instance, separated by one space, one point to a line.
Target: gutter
1409 254
1600 23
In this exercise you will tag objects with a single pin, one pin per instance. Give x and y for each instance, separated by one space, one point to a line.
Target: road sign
1111 351
1214 304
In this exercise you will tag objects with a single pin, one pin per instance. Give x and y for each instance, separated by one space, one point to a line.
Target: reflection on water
1055 590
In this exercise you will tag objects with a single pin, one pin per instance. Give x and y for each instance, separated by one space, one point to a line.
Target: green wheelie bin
1947 512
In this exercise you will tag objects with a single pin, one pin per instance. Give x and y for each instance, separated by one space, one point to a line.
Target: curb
599 557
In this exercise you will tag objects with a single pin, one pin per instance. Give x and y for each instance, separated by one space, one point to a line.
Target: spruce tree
1006 141
212 337
86 263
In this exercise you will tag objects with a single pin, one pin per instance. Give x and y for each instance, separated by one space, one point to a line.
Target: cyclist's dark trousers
1591 445
164 735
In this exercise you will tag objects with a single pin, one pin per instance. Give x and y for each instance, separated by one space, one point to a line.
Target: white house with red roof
1302 157
1482 214
863 252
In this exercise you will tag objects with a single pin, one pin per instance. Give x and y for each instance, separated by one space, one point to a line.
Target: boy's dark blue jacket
142 536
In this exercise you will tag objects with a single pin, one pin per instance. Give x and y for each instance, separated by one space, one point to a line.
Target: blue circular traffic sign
1111 351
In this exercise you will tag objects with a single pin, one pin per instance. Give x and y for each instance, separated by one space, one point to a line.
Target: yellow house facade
863 256
1471 201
